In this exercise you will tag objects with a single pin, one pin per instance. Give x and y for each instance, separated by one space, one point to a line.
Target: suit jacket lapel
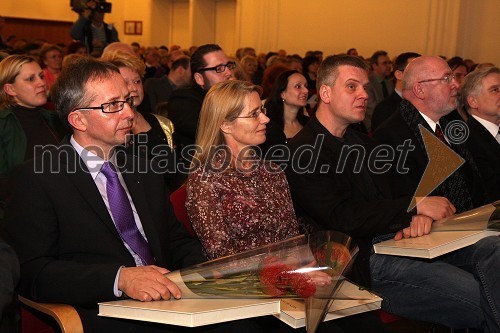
483 133
84 183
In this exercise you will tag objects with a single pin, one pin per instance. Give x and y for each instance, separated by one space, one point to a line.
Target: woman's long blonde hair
224 102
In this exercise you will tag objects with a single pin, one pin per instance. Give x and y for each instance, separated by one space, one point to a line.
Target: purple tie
123 215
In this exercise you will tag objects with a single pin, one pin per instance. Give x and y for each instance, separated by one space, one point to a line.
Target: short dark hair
402 60
308 61
197 58
75 46
456 62
375 56
69 93
31 47
328 70
182 61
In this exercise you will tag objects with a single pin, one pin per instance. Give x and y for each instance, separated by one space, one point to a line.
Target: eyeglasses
447 78
255 114
112 107
219 68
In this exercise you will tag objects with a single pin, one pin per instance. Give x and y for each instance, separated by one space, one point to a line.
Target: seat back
178 200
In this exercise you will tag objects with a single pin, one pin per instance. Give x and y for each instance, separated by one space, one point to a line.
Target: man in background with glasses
209 65
90 223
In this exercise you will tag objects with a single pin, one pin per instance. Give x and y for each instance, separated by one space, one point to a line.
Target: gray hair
473 84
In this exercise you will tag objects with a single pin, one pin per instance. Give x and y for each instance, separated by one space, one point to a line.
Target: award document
450 234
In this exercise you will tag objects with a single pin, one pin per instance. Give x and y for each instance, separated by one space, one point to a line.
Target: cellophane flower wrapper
284 269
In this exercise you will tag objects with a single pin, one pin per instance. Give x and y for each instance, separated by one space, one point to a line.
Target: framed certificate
133 28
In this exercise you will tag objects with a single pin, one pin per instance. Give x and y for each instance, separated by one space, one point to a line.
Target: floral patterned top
232 211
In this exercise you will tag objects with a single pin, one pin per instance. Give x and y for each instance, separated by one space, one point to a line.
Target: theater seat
36 317
178 200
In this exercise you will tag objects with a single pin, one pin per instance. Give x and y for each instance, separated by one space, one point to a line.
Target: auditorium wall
446 27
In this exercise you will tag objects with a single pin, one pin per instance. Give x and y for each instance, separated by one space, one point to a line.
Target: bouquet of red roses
309 267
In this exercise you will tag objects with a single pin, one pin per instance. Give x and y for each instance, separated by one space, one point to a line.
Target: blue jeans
460 289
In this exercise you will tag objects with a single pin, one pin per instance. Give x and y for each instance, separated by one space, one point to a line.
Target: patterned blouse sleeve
205 212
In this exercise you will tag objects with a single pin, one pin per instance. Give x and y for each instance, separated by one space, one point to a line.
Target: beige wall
479 32
449 27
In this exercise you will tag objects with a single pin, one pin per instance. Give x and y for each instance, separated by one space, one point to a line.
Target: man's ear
472 101
198 78
325 93
78 121
398 74
418 91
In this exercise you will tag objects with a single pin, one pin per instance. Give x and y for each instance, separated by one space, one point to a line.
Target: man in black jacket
340 180
480 97
209 65
388 106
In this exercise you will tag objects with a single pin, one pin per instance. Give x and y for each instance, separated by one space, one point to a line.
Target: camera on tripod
101 6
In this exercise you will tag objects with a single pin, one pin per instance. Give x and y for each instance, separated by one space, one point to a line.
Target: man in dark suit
209 65
337 182
90 223
380 84
388 106
430 92
159 90
479 96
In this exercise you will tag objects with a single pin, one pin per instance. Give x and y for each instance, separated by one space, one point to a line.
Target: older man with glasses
462 286
209 65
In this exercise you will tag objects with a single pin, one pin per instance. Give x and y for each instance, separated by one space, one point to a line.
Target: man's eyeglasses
255 114
219 68
447 78
112 107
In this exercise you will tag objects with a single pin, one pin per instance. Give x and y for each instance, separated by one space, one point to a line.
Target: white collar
491 127
429 121
92 161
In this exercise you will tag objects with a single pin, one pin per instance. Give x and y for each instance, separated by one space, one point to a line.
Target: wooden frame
65 315
132 28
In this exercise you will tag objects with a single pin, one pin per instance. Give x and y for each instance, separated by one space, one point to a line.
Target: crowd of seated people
209 99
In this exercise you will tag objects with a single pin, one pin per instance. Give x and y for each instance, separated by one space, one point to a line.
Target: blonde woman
236 201
24 124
